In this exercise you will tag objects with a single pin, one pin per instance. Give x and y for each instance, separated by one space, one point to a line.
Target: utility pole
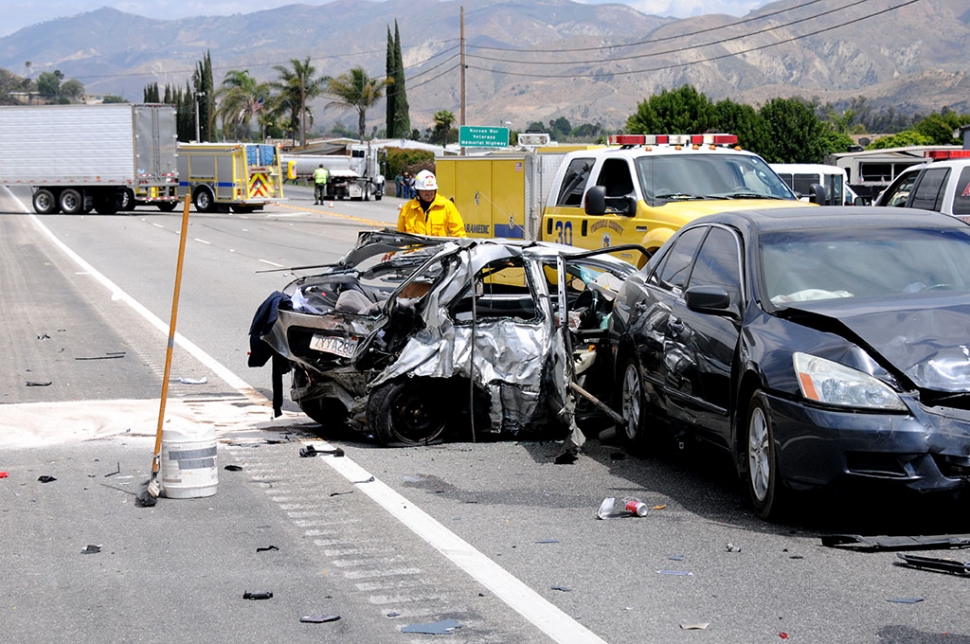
462 65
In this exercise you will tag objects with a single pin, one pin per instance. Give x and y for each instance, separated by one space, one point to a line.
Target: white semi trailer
355 175
78 158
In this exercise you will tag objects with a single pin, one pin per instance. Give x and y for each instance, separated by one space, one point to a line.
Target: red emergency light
942 155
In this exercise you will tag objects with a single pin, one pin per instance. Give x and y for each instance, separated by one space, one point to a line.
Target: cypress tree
402 120
390 67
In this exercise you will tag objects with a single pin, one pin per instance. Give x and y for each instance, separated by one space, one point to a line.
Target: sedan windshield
709 176
798 266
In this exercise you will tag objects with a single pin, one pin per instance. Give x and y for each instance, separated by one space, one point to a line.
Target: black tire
45 203
761 473
167 206
632 405
204 201
107 203
409 411
71 201
127 200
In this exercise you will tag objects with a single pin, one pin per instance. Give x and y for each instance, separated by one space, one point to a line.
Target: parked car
416 339
821 349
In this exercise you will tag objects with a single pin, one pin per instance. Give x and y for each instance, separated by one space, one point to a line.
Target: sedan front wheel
763 476
632 405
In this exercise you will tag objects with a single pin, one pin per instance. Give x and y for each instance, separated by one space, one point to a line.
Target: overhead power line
652 40
595 75
678 49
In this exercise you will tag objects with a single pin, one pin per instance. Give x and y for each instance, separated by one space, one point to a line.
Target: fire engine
219 176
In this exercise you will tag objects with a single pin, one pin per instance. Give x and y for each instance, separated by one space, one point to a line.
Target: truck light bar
673 139
942 155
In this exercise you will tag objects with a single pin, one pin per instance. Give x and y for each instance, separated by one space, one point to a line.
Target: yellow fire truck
219 176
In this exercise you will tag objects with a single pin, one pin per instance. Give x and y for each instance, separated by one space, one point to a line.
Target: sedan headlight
834 384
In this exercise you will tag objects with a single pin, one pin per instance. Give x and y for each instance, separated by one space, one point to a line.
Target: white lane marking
266 261
157 225
202 241
528 603
525 601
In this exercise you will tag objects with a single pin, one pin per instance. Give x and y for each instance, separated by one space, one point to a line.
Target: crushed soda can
612 508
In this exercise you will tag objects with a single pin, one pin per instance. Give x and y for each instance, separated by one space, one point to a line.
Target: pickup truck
943 185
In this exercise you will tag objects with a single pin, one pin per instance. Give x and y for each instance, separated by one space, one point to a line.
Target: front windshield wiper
749 195
678 195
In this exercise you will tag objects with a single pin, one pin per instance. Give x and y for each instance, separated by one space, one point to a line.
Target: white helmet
425 181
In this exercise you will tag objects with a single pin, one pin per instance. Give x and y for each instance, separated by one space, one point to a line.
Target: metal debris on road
434 628
249 595
319 619
90 549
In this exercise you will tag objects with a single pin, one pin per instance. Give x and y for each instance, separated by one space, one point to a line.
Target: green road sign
478 136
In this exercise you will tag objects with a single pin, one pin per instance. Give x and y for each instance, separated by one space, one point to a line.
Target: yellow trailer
501 194
219 176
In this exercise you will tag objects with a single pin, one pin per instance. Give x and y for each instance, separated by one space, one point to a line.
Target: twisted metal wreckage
415 339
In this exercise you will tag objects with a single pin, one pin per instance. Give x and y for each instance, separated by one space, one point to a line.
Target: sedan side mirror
709 299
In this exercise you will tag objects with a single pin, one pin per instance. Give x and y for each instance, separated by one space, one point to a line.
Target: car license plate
343 347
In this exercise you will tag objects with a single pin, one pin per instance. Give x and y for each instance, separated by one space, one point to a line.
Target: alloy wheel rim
631 402
759 466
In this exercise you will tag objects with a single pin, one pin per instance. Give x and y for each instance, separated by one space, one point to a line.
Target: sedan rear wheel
408 411
632 405
764 487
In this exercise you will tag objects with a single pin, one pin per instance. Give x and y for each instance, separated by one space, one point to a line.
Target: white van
801 176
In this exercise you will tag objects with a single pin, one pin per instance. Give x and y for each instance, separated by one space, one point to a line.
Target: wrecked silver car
419 339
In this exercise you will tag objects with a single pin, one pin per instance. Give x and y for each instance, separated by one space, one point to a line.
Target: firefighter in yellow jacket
428 213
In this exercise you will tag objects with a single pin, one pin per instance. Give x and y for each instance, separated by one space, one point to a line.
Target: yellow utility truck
638 190
221 176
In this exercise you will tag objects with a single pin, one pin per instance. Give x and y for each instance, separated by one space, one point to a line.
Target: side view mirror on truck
597 203
816 194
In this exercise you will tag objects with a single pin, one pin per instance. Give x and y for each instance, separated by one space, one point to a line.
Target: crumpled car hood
928 339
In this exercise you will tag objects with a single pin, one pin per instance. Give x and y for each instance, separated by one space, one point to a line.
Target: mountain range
536 60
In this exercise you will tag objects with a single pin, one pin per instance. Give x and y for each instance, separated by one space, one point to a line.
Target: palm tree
297 86
356 90
240 100
442 125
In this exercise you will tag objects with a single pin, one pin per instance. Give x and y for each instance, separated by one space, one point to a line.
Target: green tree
939 128
794 132
681 111
72 90
900 140
201 97
390 67
240 99
49 84
357 91
402 116
297 86
560 128
742 120
111 98
443 120
150 94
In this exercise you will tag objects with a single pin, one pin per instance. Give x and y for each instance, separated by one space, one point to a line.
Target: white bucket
188 463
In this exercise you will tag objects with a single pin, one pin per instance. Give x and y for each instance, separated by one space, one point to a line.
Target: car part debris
46 479
90 549
888 542
35 383
906 600
733 548
249 595
434 628
319 619
565 589
936 564
4 475
107 356
310 451
266 548
233 468
194 381
694 627
117 471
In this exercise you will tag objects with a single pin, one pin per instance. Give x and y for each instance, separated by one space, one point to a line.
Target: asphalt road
493 535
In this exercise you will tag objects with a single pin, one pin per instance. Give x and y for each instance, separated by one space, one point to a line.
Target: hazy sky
30 12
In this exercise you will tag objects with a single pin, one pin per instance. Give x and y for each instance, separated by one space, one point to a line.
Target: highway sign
478 136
